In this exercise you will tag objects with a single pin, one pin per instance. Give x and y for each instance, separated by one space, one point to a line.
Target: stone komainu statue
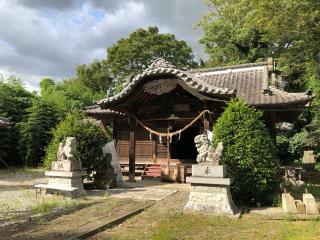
206 153
67 151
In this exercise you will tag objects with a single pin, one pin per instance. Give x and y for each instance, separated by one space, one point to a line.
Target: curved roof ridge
192 81
245 65
279 91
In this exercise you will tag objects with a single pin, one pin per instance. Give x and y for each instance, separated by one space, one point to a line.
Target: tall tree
67 95
46 86
251 30
95 76
14 102
288 30
35 131
133 54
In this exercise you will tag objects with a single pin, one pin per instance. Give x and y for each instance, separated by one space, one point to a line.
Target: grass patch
193 226
166 220
48 205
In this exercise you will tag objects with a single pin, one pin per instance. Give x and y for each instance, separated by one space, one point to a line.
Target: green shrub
317 166
248 152
296 145
90 140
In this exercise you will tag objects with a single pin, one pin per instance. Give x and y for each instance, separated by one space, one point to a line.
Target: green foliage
249 152
89 136
14 102
283 141
95 76
252 30
313 139
5 144
296 145
69 95
46 85
133 54
35 131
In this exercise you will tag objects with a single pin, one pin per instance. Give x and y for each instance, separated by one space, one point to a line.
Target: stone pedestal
309 160
65 178
310 203
288 203
210 190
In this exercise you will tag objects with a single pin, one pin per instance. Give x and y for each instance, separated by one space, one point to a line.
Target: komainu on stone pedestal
210 187
206 153
66 173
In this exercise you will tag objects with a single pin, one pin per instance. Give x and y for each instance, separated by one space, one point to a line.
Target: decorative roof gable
249 81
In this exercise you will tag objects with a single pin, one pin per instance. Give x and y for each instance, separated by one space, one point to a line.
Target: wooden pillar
168 151
271 124
206 124
114 128
132 149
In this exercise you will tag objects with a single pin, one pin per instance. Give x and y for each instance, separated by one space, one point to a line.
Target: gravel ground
16 191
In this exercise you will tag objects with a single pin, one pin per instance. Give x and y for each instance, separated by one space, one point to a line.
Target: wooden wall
147 150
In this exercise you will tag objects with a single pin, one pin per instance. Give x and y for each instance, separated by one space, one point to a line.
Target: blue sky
48 38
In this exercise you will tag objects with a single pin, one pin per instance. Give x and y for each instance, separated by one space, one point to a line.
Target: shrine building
159 112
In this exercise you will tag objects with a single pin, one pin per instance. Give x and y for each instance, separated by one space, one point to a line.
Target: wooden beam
167 116
167 103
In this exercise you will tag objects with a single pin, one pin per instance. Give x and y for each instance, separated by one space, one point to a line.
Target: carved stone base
68 184
210 191
66 166
76 193
211 199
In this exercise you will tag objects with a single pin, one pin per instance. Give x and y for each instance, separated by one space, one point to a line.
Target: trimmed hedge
90 140
248 152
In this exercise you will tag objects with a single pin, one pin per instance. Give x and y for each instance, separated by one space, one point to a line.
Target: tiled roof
252 84
249 81
4 122
96 110
164 70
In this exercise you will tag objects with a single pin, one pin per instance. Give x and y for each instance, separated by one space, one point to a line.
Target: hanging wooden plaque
159 87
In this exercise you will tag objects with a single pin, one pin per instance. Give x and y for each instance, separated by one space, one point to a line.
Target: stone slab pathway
141 193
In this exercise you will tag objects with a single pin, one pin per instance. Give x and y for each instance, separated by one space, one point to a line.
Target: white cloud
49 37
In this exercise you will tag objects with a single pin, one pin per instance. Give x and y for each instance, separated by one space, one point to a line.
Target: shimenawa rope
160 134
